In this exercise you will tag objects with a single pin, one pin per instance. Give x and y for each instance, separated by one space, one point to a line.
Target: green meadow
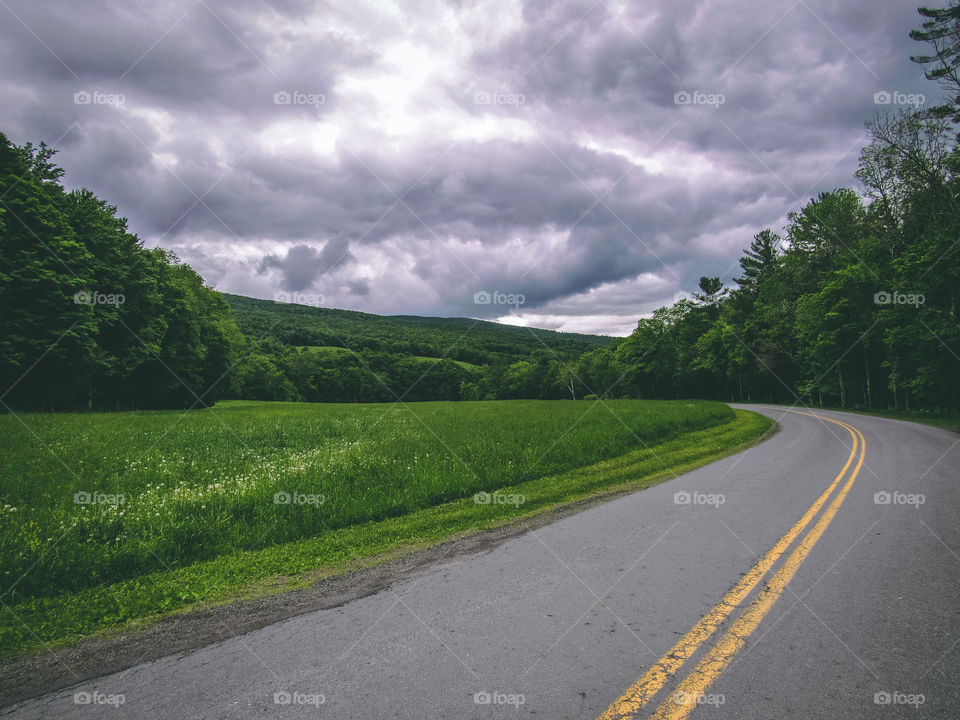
104 513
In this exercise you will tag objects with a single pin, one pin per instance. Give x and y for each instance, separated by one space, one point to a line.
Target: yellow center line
690 692
640 693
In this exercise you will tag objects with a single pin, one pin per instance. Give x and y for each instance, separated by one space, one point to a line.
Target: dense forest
854 303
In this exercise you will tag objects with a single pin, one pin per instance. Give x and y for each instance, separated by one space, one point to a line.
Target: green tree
941 30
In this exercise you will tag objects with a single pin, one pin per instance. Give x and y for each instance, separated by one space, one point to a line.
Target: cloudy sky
592 158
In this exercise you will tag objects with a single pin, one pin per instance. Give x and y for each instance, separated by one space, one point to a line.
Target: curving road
814 575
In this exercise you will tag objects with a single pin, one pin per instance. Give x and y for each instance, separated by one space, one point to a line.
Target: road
814 575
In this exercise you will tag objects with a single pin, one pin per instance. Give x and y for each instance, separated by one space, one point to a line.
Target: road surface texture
815 575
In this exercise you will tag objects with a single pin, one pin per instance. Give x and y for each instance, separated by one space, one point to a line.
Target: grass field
111 517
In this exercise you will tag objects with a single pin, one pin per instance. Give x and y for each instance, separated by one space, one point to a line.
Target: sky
564 165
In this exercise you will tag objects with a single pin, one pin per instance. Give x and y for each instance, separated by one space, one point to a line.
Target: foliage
90 317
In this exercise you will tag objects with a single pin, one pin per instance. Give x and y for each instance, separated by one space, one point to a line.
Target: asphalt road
706 596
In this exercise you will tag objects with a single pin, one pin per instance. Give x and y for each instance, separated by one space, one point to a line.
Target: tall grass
175 488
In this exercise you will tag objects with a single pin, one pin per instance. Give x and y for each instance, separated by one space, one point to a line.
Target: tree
90 317
46 334
759 261
941 30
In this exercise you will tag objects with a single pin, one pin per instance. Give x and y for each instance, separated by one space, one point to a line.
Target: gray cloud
303 264
427 151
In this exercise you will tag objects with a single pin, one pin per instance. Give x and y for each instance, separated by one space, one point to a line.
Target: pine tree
941 30
759 260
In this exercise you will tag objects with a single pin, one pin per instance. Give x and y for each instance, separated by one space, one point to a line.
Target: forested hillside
473 341
297 352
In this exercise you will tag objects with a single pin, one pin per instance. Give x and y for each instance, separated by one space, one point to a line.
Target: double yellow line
693 687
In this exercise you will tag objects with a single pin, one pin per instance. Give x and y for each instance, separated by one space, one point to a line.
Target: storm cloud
594 157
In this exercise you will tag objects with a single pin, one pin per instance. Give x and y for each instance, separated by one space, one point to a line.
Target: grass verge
946 420
44 623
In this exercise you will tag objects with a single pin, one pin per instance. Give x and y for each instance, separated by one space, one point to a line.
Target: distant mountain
472 341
